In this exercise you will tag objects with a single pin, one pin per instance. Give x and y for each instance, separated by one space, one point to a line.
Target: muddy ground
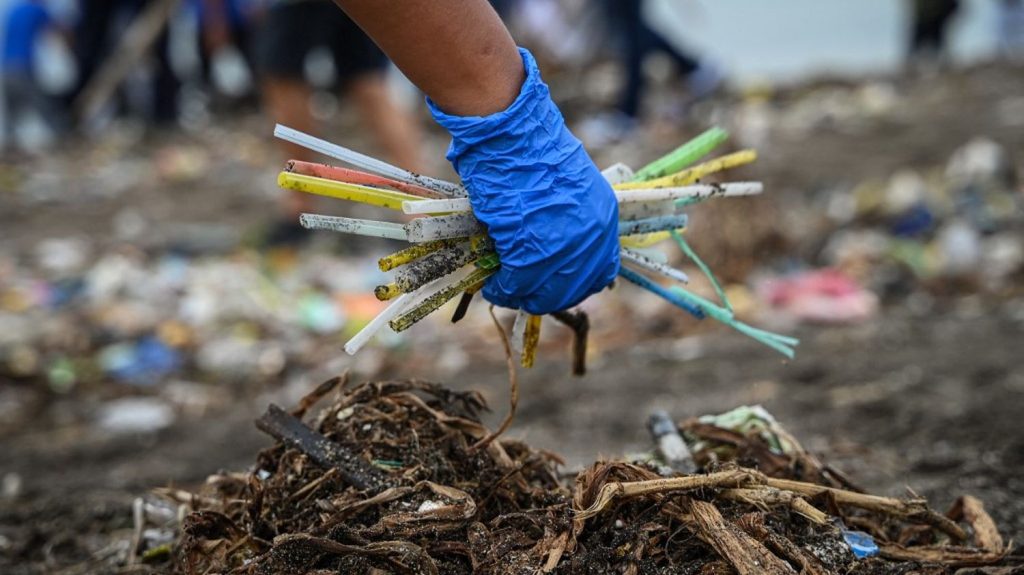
926 397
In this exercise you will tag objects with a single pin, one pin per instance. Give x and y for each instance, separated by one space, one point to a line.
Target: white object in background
230 74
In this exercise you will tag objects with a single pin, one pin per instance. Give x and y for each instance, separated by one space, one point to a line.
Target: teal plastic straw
685 246
665 294
683 156
780 343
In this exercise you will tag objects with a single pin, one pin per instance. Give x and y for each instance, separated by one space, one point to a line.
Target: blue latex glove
552 216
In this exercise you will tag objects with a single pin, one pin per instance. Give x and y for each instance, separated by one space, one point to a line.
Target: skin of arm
457 51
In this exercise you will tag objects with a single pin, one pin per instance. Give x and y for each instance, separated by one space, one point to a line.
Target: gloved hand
552 216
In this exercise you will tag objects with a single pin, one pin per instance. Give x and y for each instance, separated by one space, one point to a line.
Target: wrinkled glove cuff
551 214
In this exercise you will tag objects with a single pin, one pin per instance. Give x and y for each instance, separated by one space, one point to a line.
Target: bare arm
457 51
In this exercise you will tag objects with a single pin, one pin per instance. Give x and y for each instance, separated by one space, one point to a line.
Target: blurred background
156 292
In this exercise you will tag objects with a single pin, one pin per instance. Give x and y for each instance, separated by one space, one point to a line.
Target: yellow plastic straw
413 253
644 241
691 175
387 292
531 339
343 191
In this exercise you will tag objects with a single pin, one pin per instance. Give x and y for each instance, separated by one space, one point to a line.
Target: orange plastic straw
356 177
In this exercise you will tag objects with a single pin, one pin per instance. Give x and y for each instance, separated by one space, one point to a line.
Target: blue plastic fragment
862 544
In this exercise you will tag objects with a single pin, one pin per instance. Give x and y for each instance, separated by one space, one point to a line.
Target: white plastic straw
618 174
640 210
403 303
365 162
354 226
518 332
654 266
623 197
443 227
400 304
436 206
698 191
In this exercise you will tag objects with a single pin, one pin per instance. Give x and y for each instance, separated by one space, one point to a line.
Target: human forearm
457 51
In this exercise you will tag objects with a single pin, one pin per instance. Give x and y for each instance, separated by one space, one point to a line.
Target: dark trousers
930 26
639 41
93 43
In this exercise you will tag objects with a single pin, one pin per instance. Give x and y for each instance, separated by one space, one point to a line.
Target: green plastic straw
683 245
683 156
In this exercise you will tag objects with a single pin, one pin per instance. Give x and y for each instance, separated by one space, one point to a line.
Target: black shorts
291 30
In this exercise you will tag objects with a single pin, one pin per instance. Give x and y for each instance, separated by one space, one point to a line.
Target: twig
513 382
579 323
742 551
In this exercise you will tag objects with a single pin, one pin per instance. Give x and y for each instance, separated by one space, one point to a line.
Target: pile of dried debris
401 477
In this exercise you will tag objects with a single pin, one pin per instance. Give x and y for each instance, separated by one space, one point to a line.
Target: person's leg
362 68
287 102
395 130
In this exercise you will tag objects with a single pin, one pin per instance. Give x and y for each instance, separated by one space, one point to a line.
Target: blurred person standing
929 29
225 44
26 22
101 24
290 32
1011 29
638 40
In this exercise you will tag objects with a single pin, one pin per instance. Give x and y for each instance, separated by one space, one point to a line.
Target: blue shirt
25 21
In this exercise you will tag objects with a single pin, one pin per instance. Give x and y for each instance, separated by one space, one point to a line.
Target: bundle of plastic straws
451 255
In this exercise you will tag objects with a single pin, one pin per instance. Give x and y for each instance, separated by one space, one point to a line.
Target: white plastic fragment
365 162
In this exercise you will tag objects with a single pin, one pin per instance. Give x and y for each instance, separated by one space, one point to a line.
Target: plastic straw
371 228
687 192
443 227
651 225
437 206
639 210
412 253
342 191
651 265
691 175
531 339
433 266
665 294
366 162
518 331
618 174
685 247
683 156
353 345
780 343
632 195
356 177
387 292
440 296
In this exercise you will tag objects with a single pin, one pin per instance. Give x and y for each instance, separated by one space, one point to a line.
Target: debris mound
401 477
